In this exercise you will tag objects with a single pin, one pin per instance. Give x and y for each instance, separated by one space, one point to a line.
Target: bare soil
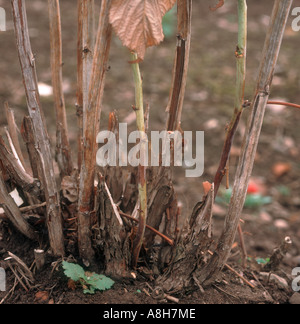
208 107
229 288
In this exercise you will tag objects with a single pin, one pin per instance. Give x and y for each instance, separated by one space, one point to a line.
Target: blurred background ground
208 106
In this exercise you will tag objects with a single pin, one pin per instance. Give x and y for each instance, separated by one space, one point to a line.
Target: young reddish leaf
206 187
138 23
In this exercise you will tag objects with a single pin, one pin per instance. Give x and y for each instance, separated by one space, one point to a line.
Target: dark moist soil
51 286
208 106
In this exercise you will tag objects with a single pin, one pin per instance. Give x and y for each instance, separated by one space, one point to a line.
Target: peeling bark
17 173
13 213
113 237
40 135
190 254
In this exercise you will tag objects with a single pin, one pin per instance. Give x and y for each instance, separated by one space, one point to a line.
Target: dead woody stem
40 135
85 51
91 125
63 150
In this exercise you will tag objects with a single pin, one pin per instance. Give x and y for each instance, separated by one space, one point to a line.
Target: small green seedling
262 261
89 281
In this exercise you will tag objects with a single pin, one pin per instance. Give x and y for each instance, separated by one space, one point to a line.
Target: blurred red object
253 188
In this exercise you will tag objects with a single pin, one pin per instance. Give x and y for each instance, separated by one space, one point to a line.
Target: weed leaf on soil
90 282
99 282
73 271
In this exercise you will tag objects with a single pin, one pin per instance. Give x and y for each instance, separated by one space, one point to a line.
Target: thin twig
33 207
158 293
236 273
22 265
243 246
168 240
225 292
275 103
25 210
227 170
263 287
115 208
282 103
17 276
63 149
10 292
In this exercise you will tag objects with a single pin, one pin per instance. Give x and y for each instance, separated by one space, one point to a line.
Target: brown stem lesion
223 165
180 69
